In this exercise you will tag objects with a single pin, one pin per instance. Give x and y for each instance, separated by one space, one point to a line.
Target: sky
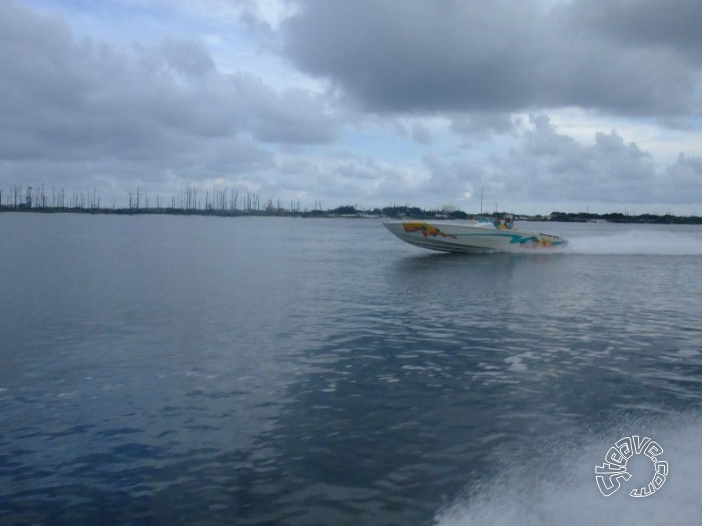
535 105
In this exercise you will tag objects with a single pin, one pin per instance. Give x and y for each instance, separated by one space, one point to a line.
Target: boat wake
560 488
637 243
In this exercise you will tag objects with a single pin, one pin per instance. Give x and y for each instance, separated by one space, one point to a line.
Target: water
160 370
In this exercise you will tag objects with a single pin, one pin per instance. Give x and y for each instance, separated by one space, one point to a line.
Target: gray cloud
507 55
482 126
685 173
455 178
122 112
293 117
649 23
550 167
421 133
69 99
80 112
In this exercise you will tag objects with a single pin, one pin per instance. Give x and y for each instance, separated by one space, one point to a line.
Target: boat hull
470 236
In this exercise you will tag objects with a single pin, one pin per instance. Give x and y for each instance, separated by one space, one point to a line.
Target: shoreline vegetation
231 203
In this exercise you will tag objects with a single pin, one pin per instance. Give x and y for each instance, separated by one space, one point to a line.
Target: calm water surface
161 370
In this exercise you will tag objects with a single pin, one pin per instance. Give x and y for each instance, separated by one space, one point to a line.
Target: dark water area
198 370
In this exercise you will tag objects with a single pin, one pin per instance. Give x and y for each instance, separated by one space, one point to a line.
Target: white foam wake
561 488
638 243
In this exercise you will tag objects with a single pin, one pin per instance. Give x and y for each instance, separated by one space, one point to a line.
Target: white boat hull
469 236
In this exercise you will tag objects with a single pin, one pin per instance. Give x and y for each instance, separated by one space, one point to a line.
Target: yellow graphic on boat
426 230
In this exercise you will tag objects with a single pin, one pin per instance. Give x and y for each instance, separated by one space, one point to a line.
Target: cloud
190 59
129 110
502 56
451 181
71 99
421 133
294 117
686 175
648 23
259 12
547 166
482 126
365 102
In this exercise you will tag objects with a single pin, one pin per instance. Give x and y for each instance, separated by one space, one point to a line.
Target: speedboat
481 235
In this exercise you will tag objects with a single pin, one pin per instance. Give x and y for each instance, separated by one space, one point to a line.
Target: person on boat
501 224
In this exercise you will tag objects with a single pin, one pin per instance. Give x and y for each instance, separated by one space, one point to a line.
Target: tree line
191 199
230 201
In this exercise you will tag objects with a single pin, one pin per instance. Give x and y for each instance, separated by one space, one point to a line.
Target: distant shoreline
351 212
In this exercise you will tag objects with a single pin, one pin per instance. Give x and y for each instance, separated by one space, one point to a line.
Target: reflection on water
321 372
